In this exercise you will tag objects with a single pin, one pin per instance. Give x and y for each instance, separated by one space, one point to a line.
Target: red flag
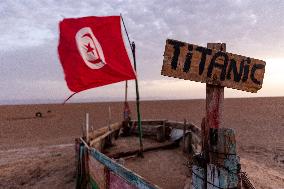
92 52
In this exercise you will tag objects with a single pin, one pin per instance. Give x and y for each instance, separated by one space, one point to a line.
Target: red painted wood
116 182
214 97
214 109
214 105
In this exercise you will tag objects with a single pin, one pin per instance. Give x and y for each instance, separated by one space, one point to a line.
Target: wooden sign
196 63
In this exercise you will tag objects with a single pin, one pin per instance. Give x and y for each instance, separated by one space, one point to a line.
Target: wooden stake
108 141
183 138
109 118
87 127
126 91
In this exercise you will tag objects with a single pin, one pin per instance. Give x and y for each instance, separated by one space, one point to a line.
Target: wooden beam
96 133
167 145
150 121
180 125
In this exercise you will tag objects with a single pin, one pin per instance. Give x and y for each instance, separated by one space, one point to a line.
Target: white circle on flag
90 48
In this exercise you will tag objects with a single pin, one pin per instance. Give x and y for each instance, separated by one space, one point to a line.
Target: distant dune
37 151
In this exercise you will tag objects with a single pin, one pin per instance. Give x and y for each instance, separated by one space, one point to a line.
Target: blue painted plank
198 174
121 171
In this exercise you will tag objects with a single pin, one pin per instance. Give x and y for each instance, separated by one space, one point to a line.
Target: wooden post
183 138
203 137
220 145
224 167
214 105
109 118
108 141
214 108
87 127
213 121
126 91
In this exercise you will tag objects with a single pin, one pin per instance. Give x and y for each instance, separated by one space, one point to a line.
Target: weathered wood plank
220 178
97 173
96 133
196 63
198 175
116 182
123 172
100 141
150 121
224 166
160 132
180 125
166 145
148 130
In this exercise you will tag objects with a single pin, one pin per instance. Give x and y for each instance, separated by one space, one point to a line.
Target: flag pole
137 102
132 46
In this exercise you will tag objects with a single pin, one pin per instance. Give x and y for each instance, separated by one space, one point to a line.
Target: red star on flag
89 48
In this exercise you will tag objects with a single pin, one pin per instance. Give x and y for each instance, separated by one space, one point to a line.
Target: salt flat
38 153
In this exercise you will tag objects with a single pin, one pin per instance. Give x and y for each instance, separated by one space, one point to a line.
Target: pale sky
31 73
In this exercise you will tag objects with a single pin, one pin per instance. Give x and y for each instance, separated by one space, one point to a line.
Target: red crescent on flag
99 59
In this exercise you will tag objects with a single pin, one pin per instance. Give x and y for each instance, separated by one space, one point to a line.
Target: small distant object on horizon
38 114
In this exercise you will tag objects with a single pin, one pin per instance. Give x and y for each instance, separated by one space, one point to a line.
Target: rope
126 31
68 98
132 45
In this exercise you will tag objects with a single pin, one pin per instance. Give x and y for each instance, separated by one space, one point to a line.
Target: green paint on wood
93 183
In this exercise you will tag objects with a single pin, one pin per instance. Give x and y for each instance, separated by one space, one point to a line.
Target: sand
38 152
166 168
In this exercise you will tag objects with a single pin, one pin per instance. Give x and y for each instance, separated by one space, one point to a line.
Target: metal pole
137 101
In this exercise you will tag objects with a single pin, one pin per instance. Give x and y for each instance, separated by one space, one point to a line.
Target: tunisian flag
92 52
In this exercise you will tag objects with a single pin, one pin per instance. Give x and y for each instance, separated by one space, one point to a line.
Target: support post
137 101
214 105
214 111
209 126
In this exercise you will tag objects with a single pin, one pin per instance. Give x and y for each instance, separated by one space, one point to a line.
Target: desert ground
38 152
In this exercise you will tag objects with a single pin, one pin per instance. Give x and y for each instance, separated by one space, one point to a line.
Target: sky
30 70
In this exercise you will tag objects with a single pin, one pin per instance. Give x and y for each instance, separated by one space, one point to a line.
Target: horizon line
57 101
